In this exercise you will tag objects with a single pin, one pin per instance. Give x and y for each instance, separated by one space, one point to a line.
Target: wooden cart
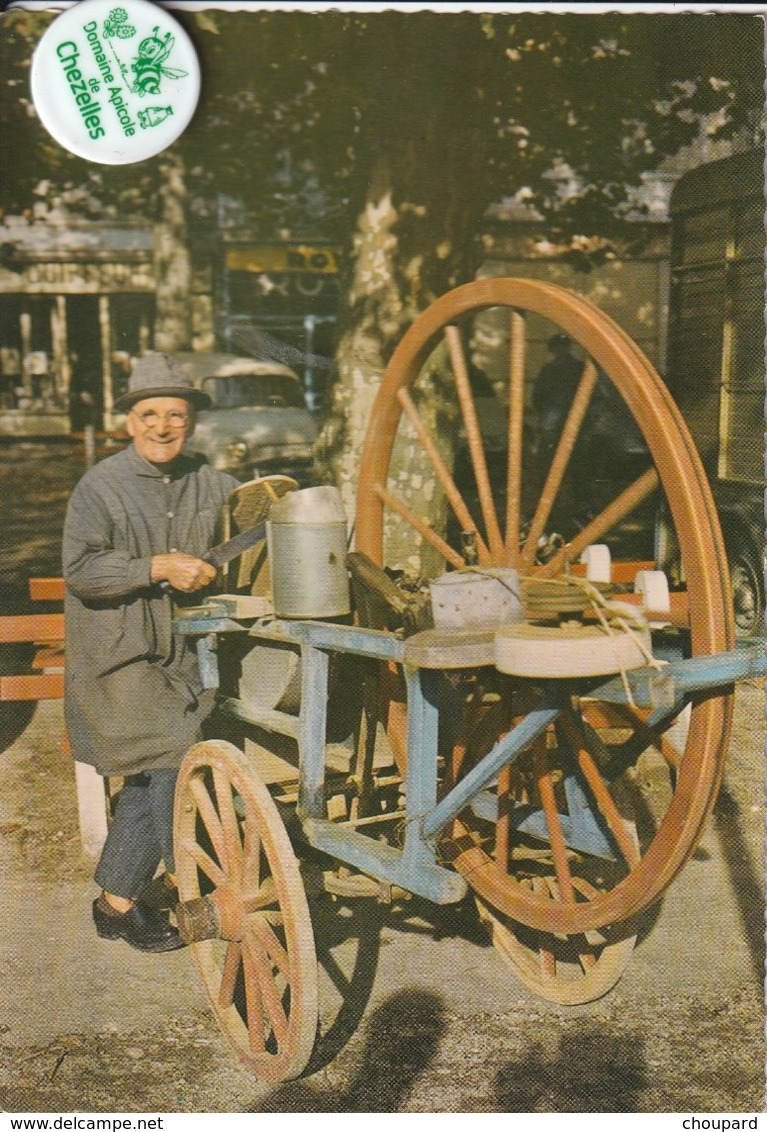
559 769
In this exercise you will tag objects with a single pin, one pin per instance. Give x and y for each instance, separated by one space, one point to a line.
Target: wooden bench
45 631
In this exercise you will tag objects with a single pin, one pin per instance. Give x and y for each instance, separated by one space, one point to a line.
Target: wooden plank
627 571
451 648
678 614
621 570
49 686
49 657
46 589
246 605
38 627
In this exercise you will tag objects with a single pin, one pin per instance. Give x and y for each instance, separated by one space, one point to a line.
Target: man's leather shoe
140 926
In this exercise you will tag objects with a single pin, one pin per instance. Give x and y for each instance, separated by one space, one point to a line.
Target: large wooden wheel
239 883
590 752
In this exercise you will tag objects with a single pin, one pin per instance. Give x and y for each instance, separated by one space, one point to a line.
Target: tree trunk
172 261
400 263
375 316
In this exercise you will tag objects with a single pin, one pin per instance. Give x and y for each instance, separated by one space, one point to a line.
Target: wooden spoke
230 971
210 818
602 796
556 836
254 1004
205 863
548 962
613 514
476 447
454 497
264 898
273 998
251 852
419 525
229 824
503 824
270 996
264 933
517 356
587 959
562 454
580 884
261 980
636 719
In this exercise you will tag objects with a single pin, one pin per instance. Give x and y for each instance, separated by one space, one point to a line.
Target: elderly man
137 528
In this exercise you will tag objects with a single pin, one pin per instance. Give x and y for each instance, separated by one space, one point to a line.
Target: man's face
159 427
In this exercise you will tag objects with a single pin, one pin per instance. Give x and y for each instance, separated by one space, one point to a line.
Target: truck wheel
747 592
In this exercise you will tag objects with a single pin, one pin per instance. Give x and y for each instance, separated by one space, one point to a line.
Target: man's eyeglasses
151 419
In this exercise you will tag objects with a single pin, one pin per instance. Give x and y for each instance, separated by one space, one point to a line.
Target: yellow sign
284 258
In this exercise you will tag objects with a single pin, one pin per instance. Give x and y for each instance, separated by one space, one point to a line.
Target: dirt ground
430 1019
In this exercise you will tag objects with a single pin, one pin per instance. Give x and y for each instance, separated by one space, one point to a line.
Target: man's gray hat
157 375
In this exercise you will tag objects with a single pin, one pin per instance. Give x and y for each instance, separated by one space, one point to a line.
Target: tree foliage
394 132
299 109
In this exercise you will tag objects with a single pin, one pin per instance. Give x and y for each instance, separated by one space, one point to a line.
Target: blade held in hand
226 551
233 547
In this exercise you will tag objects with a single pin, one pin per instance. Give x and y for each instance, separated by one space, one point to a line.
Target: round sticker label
115 82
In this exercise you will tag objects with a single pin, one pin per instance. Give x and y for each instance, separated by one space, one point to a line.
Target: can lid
115 81
315 505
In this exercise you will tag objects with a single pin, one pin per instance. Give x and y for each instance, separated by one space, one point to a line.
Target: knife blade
233 547
226 551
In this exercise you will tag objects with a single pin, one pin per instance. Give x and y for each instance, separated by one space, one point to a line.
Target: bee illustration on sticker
148 65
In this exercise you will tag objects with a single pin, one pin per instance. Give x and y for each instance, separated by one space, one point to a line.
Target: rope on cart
613 616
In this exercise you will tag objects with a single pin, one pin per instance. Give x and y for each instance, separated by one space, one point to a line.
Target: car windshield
263 391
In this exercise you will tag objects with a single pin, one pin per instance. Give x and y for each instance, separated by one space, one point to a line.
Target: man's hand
183 572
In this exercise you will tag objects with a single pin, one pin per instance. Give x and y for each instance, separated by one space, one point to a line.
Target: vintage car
258 422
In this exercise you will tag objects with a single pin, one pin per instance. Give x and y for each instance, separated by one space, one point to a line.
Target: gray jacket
134 699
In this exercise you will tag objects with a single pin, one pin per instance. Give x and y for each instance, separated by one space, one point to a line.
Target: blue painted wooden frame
414 866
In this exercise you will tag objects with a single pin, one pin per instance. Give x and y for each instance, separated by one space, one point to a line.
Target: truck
716 353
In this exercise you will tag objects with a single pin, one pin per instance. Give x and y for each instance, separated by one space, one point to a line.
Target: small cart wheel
538 508
240 886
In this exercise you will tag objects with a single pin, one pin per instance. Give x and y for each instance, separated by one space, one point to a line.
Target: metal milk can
307 541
